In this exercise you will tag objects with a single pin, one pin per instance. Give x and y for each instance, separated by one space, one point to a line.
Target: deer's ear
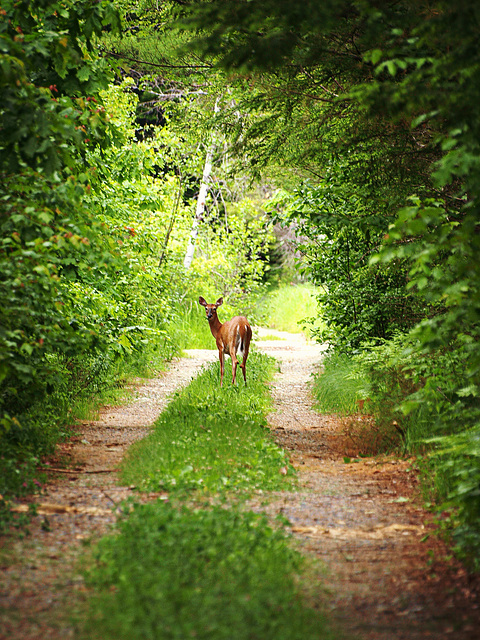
202 301
219 302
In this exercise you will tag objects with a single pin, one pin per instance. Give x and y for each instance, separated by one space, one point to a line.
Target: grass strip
175 570
213 574
212 440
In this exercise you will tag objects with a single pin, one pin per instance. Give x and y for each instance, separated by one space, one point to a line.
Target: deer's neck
215 325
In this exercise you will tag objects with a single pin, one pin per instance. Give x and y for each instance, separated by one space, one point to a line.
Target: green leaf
84 73
471 390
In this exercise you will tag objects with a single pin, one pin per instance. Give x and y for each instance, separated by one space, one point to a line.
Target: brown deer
232 337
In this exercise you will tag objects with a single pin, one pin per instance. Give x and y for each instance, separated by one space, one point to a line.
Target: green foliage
340 385
291 308
456 463
74 298
212 439
232 255
73 305
214 573
358 300
47 63
47 67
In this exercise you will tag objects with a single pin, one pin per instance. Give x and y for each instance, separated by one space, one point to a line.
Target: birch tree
202 196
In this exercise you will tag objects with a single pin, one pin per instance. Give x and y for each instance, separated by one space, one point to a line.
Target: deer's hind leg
243 367
246 347
234 366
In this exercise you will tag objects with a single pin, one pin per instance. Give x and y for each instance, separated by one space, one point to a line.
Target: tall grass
190 329
211 439
291 308
340 386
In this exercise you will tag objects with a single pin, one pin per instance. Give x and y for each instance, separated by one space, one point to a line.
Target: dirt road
363 520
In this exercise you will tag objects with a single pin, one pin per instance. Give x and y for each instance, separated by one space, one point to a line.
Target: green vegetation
339 387
211 440
216 574
352 125
174 571
291 308
375 106
95 219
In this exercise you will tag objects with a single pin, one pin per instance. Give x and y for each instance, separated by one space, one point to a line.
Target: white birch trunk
202 196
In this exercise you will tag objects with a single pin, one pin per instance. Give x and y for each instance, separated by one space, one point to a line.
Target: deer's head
210 309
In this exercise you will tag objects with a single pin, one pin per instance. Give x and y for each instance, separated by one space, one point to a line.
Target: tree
202 195
48 71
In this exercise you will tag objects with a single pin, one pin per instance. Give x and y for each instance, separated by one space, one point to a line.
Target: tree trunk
207 169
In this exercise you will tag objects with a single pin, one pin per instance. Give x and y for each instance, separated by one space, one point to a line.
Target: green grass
212 439
287 307
213 574
339 387
190 329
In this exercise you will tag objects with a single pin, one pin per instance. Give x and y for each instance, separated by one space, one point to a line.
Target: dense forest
152 151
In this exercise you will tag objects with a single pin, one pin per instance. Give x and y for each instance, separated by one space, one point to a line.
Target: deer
232 337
